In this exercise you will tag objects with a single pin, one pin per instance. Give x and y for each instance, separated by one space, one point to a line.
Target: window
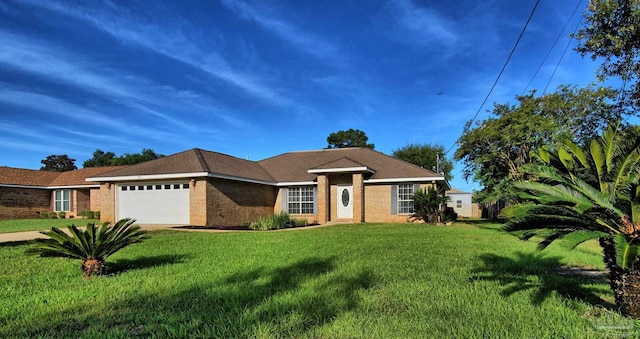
458 203
185 186
405 201
149 187
124 188
167 187
300 200
158 187
176 186
62 201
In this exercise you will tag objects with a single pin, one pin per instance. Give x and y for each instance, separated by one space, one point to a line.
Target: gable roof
191 163
456 191
294 166
46 179
287 168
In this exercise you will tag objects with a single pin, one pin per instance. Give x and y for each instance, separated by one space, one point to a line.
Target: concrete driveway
30 235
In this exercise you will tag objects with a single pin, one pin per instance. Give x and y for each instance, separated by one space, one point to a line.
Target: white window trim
61 200
399 200
300 203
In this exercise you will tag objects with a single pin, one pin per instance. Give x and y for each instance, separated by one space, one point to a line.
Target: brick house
25 193
204 188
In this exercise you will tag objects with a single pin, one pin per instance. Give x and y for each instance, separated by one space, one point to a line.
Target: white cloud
423 25
167 42
306 42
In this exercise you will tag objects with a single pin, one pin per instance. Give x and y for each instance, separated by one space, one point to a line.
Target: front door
345 202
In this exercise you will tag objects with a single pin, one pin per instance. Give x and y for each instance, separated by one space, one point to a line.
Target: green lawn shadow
285 301
543 275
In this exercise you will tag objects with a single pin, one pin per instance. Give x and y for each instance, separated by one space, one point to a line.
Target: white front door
345 202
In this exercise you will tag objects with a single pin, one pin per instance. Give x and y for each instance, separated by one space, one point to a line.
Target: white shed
461 202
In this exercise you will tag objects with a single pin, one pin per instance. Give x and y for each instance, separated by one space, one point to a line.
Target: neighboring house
25 193
206 188
461 203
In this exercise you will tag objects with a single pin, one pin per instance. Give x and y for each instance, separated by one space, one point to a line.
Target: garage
154 203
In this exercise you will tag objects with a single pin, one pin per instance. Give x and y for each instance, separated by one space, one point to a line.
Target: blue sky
258 78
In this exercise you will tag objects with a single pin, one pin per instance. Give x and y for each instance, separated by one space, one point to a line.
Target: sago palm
92 245
427 203
584 193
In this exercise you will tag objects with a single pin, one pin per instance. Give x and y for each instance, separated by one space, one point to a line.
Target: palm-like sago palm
427 203
584 193
92 245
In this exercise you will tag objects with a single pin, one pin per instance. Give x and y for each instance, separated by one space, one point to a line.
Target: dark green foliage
579 194
493 151
610 34
426 156
427 204
349 138
87 214
58 163
100 158
92 245
276 221
448 214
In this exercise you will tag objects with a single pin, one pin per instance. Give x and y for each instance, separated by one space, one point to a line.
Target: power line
468 124
552 46
562 56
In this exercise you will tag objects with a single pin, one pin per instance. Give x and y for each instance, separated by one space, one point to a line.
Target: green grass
23 225
355 281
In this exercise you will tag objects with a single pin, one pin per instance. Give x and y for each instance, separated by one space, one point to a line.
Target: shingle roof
27 177
196 161
293 166
340 163
287 167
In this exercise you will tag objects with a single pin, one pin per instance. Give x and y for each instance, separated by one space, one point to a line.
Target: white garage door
154 203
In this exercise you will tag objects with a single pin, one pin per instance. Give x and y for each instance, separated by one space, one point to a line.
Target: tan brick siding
94 199
107 202
23 203
231 203
198 202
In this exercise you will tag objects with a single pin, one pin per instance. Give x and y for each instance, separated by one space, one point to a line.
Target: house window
405 198
62 201
458 203
300 200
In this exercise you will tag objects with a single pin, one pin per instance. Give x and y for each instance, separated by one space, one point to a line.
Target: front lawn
355 281
22 225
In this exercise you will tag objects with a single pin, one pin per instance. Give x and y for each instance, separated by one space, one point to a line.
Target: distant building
462 203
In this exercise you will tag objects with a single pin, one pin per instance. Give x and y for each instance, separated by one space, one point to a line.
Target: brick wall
107 202
377 206
94 199
23 203
198 202
231 203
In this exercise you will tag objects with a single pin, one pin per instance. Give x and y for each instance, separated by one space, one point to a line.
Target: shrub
276 221
62 215
96 214
48 215
92 246
448 214
86 214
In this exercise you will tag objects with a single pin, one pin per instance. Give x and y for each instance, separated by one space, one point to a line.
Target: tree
136 158
493 151
350 138
591 192
100 159
426 156
611 32
58 163
92 246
